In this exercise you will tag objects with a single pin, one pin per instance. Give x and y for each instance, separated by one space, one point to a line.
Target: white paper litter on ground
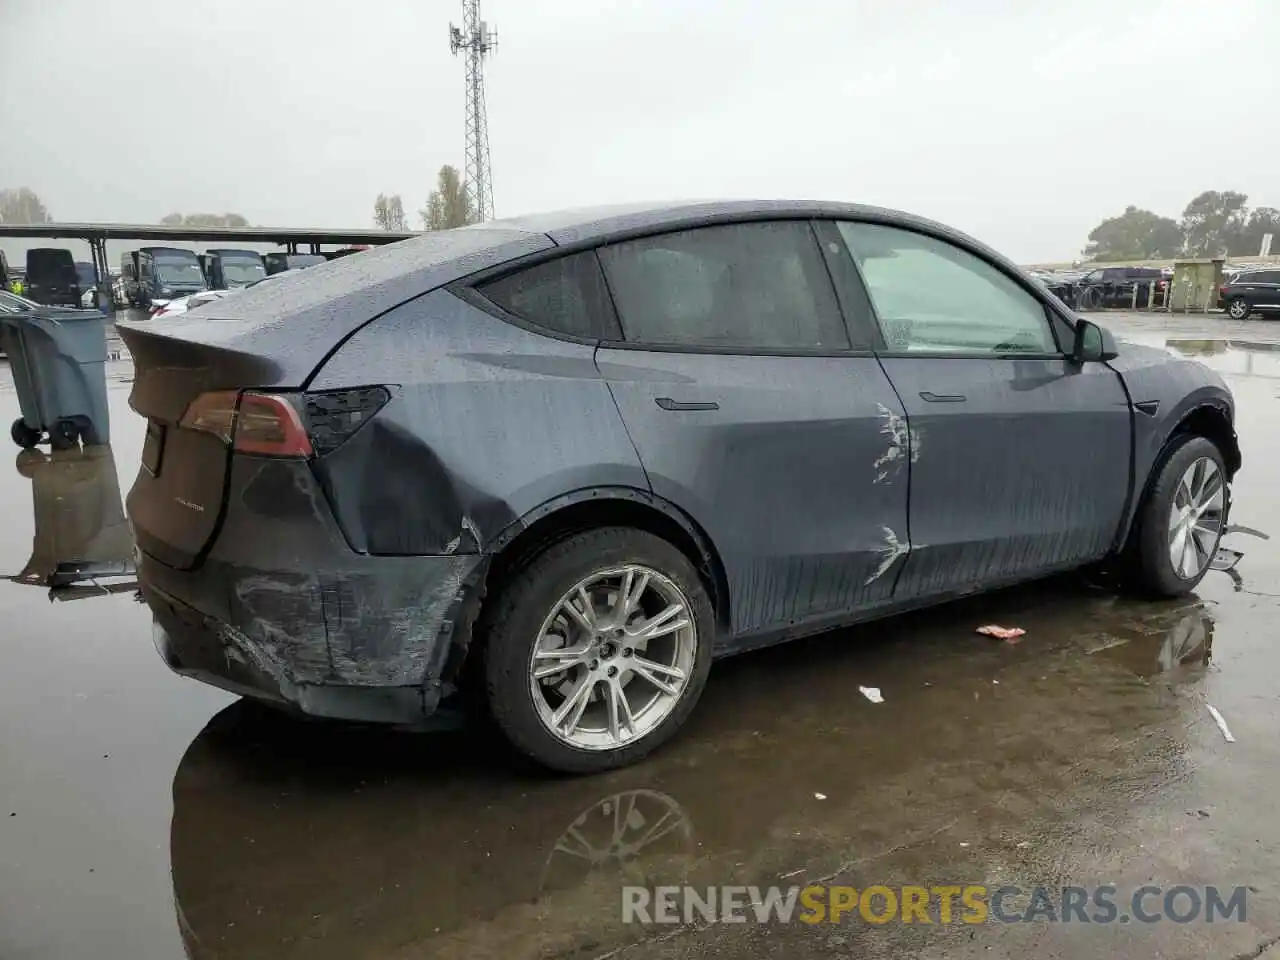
819 796
872 694
1222 724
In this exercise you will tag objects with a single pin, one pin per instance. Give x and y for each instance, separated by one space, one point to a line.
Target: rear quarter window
566 295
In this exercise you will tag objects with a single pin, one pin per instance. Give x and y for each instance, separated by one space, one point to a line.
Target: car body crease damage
903 445
893 549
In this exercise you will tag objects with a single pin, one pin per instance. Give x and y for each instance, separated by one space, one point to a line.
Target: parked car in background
1116 286
277 262
180 305
565 460
87 283
167 273
51 277
228 269
1252 291
12 303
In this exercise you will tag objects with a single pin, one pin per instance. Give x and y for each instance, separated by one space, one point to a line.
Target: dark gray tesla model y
571 458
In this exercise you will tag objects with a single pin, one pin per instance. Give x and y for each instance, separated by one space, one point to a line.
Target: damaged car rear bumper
377 640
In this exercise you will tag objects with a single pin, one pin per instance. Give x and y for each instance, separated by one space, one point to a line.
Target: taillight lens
213 413
259 423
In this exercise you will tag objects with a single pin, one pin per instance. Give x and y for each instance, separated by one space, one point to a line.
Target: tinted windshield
186 272
243 271
84 272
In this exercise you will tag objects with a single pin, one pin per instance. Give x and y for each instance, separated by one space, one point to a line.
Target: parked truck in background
279 262
52 278
229 269
166 273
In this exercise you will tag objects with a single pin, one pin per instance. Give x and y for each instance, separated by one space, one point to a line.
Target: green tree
22 206
1134 235
1214 221
449 205
1248 241
204 220
388 213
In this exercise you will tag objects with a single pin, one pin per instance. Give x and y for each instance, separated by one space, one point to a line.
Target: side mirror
1093 343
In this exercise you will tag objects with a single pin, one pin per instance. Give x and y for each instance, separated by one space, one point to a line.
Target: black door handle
666 403
941 397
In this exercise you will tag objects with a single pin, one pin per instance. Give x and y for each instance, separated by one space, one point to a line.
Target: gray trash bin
59 369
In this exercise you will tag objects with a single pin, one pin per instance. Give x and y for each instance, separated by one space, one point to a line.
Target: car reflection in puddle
1162 644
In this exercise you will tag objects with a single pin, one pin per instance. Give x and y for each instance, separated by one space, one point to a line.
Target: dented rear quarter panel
488 422
293 603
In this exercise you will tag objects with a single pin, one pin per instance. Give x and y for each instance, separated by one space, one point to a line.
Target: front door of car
752 411
1020 457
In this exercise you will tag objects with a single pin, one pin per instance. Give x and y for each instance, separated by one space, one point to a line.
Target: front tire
597 650
1181 522
1238 308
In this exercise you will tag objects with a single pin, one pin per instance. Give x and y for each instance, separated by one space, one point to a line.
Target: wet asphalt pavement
142 815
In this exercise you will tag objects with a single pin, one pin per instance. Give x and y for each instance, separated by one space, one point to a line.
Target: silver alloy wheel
1195 518
1238 309
613 658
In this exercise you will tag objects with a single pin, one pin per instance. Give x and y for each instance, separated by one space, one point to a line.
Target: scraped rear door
753 410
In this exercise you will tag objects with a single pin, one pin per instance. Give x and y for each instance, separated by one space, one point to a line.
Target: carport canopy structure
97 235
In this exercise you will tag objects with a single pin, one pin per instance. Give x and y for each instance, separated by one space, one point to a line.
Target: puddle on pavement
1175 645
1228 355
288 838
81 543
329 841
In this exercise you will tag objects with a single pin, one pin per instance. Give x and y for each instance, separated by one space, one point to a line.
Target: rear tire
1173 495
24 436
1238 308
528 622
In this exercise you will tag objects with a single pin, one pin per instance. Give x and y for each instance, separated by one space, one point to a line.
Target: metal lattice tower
478 42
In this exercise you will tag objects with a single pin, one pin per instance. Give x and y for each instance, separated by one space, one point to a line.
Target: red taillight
260 423
1222 291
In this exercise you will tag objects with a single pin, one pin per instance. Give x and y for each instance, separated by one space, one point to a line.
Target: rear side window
1265 276
565 295
741 286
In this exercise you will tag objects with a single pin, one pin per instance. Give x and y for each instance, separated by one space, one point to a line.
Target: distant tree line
21 205
449 205
1215 223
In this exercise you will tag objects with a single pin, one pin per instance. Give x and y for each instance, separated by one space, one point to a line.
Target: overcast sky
1023 122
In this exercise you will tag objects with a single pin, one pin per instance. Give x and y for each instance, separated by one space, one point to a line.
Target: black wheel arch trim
1219 405
709 562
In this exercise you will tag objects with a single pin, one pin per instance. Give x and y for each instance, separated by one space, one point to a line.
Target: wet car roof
593 224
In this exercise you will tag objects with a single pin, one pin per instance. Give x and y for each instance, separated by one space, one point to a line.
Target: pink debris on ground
1008 634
